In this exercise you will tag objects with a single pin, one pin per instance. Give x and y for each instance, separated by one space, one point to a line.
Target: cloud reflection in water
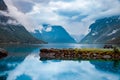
34 69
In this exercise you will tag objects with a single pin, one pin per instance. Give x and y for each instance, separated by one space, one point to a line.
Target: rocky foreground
80 54
3 53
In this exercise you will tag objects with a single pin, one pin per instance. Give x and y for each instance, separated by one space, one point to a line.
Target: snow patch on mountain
48 29
108 30
113 32
113 38
95 33
53 34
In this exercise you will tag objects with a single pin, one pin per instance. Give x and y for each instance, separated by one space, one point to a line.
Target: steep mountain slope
116 40
105 30
53 34
3 6
11 31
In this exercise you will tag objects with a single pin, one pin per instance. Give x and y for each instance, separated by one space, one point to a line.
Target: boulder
108 47
3 53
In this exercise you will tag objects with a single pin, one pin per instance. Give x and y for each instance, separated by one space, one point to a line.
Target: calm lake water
23 64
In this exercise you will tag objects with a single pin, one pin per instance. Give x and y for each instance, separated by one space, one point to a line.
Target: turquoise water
23 64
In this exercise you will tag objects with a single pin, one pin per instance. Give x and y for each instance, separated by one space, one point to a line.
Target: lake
23 63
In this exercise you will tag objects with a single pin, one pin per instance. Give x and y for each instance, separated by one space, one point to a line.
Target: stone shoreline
79 54
3 53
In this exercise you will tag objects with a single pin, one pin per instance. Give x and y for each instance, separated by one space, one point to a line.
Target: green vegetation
96 50
83 54
116 50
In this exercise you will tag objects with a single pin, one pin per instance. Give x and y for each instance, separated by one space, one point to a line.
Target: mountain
53 34
11 31
3 6
106 30
116 40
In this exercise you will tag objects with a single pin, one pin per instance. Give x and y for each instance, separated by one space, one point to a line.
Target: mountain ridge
11 32
3 6
105 30
54 34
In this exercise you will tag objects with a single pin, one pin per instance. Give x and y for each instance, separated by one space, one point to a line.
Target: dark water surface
23 64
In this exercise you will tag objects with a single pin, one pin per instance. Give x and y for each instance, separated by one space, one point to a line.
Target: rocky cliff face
3 5
53 34
11 31
106 30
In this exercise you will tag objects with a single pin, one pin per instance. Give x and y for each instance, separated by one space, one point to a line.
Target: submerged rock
3 53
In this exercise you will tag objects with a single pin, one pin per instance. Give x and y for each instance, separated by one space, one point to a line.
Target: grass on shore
96 50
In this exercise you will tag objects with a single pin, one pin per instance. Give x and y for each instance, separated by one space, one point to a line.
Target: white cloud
74 15
9 21
23 19
13 22
4 13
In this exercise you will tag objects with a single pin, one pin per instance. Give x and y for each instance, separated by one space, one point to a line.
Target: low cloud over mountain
75 15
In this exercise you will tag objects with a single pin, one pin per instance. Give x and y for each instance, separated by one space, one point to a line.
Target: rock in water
3 53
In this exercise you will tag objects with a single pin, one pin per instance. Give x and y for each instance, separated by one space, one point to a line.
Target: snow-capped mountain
53 34
10 29
106 30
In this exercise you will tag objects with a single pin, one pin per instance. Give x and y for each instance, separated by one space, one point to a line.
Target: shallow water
23 64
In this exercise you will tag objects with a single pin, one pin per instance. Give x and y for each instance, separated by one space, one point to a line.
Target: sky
74 15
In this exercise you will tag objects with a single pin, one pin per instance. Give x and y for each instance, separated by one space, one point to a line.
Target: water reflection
16 55
23 64
23 77
116 64
32 68
67 45
109 66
